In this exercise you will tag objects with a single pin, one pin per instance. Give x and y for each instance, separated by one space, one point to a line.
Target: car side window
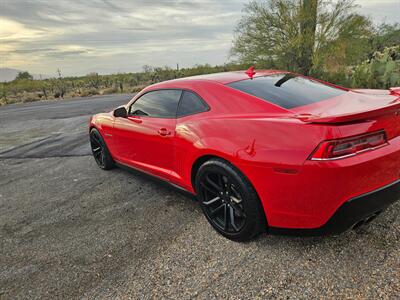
157 104
191 104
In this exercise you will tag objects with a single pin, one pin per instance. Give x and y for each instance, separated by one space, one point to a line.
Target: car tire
237 214
100 151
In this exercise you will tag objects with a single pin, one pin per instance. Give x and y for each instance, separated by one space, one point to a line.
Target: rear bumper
351 212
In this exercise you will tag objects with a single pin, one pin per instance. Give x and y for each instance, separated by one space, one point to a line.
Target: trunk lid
356 105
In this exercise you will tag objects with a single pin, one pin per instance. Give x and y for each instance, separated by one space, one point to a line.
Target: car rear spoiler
395 91
394 107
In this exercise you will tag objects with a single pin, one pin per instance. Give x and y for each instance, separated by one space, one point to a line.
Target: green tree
24 76
386 35
302 35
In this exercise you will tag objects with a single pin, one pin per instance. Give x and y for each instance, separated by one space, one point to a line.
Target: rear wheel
229 201
100 151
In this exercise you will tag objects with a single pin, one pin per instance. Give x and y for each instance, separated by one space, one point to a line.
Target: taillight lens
341 148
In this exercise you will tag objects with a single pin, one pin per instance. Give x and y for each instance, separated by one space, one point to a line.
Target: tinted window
287 90
191 104
159 104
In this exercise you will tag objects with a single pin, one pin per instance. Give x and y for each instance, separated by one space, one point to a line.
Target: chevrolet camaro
262 150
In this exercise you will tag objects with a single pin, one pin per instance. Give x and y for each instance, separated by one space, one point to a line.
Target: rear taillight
341 148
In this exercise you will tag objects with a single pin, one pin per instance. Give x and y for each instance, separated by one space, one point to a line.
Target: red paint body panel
136 142
269 144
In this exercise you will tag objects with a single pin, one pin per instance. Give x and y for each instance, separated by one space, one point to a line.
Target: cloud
28 51
380 11
11 30
80 36
120 33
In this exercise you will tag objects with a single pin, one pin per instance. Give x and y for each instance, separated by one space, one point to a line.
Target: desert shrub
108 91
29 97
382 71
89 92
137 88
72 94
3 94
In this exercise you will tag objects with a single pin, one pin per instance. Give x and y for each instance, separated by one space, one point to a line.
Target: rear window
287 90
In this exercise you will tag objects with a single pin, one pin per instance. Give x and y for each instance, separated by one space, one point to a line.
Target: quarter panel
248 143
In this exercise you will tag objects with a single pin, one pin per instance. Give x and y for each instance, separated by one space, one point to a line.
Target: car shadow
158 181
376 231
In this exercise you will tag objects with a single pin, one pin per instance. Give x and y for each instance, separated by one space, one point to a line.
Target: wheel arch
196 166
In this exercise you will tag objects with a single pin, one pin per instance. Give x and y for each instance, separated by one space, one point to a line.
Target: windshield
287 90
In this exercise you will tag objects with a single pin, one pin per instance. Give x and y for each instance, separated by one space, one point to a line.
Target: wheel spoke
234 191
97 149
214 212
208 188
236 200
226 217
102 158
98 153
221 182
238 209
211 201
214 185
95 139
232 218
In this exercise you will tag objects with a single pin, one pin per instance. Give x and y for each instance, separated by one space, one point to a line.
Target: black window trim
177 108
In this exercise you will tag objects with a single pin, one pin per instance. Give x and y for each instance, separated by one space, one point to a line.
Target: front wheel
229 201
100 151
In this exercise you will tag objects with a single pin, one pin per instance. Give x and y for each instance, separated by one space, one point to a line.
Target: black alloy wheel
222 202
229 201
100 151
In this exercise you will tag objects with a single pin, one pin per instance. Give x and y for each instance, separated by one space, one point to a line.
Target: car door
145 139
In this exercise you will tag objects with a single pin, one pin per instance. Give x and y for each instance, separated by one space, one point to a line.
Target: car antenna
250 72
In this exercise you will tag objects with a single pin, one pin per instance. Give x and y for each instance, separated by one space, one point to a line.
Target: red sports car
262 151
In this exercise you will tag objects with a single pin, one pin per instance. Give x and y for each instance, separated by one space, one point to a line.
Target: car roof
222 78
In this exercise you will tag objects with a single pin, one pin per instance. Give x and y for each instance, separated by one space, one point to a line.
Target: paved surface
71 230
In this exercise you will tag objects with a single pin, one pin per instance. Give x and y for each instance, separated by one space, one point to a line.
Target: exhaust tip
366 220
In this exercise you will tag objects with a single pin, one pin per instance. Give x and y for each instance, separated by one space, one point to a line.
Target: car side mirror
120 112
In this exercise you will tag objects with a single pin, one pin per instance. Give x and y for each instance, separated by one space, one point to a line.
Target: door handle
135 119
164 132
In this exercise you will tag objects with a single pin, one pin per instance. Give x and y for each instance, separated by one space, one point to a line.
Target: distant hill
8 74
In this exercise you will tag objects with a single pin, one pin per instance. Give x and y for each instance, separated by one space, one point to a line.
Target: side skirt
156 178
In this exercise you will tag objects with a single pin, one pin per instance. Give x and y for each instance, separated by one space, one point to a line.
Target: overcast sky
109 36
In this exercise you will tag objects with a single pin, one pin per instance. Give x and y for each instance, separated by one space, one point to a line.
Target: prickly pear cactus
382 71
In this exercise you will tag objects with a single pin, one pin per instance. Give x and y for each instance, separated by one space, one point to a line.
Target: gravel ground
71 230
